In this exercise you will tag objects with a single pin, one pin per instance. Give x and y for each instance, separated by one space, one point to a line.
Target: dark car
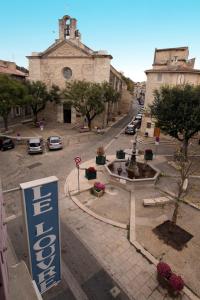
130 129
6 143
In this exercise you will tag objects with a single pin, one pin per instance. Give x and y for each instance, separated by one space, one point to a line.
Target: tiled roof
5 70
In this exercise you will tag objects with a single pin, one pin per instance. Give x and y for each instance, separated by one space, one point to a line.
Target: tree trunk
5 120
175 213
89 123
35 119
185 149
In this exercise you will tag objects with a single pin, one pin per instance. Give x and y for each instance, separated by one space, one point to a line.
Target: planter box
100 160
96 193
90 175
148 155
120 154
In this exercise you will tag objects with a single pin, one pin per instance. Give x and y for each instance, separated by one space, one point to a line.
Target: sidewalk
135 273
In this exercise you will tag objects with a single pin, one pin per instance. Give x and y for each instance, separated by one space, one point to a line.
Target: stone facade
171 66
69 59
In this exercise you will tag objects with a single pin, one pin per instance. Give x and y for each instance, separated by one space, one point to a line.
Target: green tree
110 96
37 97
12 93
55 94
86 97
130 84
177 112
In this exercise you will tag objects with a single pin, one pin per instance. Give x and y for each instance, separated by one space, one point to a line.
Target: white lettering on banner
43 266
51 238
40 229
44 237
39 254
47 273
38 206
46 284
37 193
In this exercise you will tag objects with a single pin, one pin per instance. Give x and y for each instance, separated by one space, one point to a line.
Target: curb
96 216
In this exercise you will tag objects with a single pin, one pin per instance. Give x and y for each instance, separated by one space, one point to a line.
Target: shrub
164 270
176 282
100 151
91 170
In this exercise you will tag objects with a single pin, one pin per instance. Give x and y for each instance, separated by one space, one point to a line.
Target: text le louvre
40 199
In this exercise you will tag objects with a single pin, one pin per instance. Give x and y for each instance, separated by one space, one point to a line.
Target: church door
67 115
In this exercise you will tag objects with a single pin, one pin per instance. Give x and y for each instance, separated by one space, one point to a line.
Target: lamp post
132 168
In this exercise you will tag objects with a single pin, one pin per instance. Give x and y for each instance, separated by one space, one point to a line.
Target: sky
129 30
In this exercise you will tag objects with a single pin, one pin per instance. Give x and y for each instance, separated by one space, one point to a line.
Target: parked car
54 143
138 117
137 124
6 143
35 145
130 129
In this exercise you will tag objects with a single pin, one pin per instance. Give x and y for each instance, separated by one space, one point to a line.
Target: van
35 145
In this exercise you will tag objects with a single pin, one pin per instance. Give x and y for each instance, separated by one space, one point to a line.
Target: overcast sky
129 30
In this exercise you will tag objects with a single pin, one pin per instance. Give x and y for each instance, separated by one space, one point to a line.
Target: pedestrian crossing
151 141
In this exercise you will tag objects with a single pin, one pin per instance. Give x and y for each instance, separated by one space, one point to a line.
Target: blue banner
40 199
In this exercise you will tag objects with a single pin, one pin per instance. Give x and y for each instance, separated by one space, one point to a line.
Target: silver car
54 143
35 145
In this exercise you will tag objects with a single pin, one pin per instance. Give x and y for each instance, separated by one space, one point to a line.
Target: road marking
115 291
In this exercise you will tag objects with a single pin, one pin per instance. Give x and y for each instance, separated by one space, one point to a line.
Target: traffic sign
77 160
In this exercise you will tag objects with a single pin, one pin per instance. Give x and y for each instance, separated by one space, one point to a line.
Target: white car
35 145
54 143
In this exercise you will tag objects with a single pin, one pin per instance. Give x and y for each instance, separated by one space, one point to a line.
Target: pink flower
98 186
176 282
164 270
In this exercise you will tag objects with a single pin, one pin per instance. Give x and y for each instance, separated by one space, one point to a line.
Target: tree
110 96
86 97
55 94
177 112
37 97
185 170
12 93
130 84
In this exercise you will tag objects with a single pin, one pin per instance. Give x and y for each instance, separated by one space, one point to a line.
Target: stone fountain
132 169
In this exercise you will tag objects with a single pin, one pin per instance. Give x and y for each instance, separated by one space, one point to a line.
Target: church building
69 59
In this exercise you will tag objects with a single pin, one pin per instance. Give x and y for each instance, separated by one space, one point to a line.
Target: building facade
171 66
69 59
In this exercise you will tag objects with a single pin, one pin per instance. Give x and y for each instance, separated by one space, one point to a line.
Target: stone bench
156 201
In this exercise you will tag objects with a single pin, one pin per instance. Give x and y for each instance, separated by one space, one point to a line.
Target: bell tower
67 29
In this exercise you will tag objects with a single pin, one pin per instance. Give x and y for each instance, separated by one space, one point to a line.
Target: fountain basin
148 173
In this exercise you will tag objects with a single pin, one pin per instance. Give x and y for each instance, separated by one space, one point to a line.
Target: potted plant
148 154
169 280
100 158
176 284
120 154
98 189
163 274
91 173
